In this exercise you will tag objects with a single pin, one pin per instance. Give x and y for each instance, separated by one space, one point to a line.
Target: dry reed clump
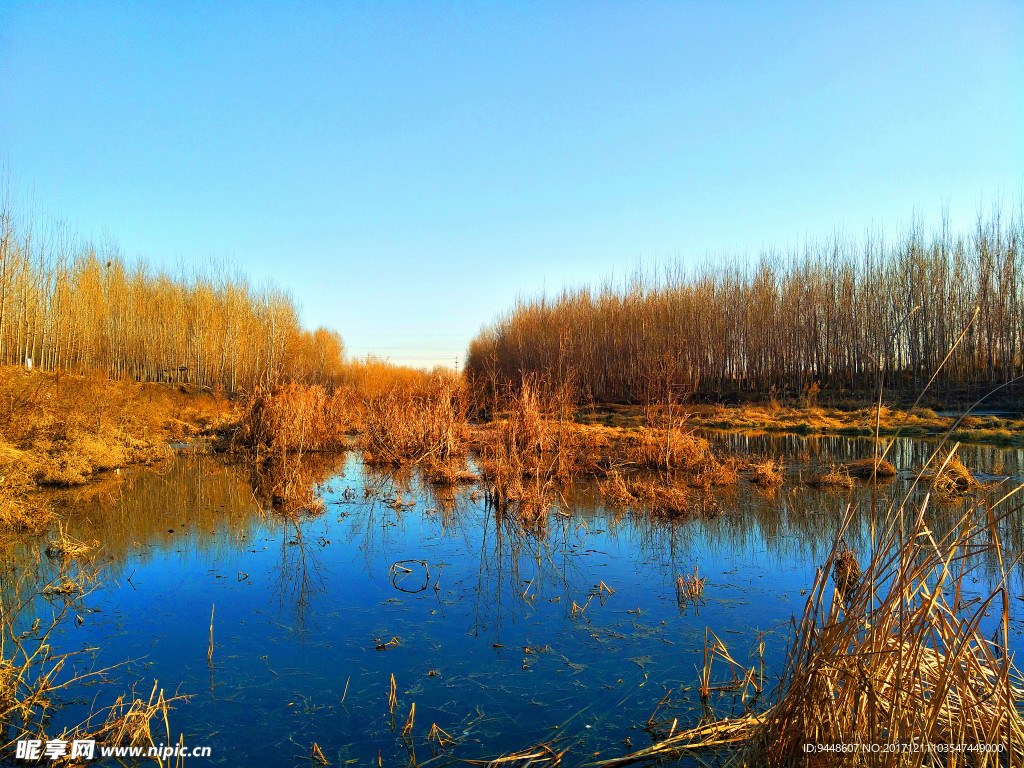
870 468
423 425
687 455
689 588
953 477
835 477
293 417
676 448
659 496
898 656
767 473
536 446
67 547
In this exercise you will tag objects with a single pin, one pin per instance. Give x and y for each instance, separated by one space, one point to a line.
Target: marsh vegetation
462 562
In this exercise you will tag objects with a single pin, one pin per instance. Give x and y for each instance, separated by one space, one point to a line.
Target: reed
834 477
424 424
290 417
659 496
767 473
896 654
689 588
532 447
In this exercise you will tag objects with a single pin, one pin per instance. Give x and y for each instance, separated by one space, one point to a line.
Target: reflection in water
907 454
515 642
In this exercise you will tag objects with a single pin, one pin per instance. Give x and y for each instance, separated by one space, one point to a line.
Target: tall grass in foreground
893 655
35 679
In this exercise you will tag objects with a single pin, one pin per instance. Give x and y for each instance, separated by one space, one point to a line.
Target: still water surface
510 639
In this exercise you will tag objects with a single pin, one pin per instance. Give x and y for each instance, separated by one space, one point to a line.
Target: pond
503 638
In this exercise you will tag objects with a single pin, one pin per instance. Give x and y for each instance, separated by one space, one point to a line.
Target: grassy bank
808 420
62 430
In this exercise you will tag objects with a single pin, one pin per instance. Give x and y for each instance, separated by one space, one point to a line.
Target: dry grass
952 477
835 477
870 468
652 448
846 573
422 425
34 678
66 547
295 418
806 420
689 588
893 655
534 447
19 512
767 473
61 430
658 496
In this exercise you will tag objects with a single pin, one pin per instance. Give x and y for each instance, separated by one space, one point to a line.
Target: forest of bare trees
830 316
68 305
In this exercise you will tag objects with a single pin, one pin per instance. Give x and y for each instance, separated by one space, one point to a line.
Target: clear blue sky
406 169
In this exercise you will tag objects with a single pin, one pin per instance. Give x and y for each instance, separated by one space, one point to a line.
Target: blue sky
408 169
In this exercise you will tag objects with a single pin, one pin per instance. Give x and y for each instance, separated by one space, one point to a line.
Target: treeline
831 316
64 305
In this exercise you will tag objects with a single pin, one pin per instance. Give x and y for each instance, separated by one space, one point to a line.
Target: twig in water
209 651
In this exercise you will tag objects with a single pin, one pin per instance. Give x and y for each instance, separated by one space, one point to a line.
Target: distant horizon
413 355
406 172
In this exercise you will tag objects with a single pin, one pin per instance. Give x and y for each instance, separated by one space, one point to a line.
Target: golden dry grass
870 468
61 430
895 654
952 477
833 477
658 496
291 417
767 473
409 424
69 427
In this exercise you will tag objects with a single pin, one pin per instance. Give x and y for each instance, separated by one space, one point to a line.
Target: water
503 640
